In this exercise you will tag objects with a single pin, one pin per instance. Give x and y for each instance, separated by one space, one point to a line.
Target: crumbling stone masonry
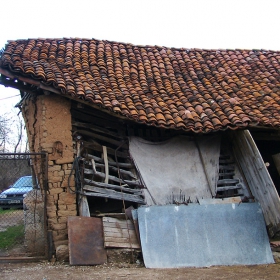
48 123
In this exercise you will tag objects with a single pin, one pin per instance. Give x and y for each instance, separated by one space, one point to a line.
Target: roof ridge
140 45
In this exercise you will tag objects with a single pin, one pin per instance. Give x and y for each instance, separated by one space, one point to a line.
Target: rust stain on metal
86 243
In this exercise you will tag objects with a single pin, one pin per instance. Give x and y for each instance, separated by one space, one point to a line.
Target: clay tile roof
190 89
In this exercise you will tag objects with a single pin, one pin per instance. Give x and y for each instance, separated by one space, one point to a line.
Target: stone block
47 150
62 219
62 253
54 179
55 191
50 199
64 183
68 171
54 168
52 221
59 226
51 208
62 207
68 198
60 242
66 213
63 231
64 160
47 146
71 207
52 214
57 237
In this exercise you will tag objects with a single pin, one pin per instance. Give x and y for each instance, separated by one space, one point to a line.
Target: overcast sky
209 24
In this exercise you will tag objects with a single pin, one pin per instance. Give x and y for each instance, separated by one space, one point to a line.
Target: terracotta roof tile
190 89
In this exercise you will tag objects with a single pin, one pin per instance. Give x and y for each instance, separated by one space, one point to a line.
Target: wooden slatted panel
119 233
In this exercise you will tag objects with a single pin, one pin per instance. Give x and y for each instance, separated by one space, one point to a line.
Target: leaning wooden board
86 244
119 233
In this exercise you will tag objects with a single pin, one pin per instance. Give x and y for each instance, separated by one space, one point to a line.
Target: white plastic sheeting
178 169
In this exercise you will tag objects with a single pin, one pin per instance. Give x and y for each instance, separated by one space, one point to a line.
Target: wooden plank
83 206
223 174
100 114
227 188
111 222
116 196
112 163
109 186
96 128
114 220
111 177
119 233
227 181
98 147
121 240
103 138
109 191
115 169
121 245
121 226
258 178
105 122
113 231
226 167
225 161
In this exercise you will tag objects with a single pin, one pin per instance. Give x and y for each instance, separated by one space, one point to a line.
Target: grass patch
3 212
12 236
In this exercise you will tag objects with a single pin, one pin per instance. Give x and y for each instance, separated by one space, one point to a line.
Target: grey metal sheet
203 235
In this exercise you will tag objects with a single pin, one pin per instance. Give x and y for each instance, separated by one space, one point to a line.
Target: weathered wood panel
116 195
258 178
111 186
119 233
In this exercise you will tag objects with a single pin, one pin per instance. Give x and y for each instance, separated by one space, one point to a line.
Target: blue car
14 195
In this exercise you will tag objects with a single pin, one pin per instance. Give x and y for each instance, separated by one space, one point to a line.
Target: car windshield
23 182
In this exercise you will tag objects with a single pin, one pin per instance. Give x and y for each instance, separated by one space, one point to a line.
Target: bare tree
12 134
4 132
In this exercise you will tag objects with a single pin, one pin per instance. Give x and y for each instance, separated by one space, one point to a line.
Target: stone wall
48 123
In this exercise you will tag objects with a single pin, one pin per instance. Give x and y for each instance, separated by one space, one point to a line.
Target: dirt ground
49 271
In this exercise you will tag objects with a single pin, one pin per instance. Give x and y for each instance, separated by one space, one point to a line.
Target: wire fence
23 180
